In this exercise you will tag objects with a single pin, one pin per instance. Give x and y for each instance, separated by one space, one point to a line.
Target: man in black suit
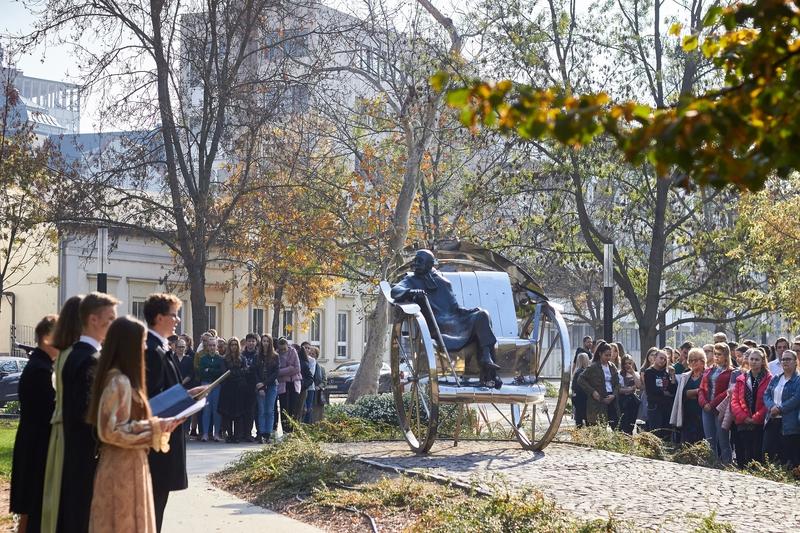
168 470
97 311
36 402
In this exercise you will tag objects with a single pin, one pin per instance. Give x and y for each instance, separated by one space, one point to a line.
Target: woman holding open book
123 490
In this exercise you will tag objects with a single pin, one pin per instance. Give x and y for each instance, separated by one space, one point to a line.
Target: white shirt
164 342
91 341
777 395
607 373
774 367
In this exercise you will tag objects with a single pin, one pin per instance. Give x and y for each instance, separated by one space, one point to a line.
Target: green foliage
709 524
295 465
523 512
698 454
642 444
8 432
11 408
771 471
340 426
740 133
374 417
400 492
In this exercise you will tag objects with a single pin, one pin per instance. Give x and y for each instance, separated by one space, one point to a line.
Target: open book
176 401
214 385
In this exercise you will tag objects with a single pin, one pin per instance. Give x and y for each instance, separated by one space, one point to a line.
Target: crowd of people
743 399
90 456
267 377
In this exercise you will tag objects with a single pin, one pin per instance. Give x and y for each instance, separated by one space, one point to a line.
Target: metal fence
21 335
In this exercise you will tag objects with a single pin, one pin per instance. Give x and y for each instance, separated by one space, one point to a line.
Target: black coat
458 325
37 400
236 390
80 442
168 470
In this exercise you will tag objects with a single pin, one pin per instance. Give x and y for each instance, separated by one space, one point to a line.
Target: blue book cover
172 401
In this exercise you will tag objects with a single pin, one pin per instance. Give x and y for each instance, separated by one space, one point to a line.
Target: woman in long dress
123 490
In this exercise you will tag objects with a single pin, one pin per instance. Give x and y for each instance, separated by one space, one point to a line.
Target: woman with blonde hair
686 413
748 408
123 490
713 390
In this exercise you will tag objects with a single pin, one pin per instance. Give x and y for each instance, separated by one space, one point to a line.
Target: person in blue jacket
782 400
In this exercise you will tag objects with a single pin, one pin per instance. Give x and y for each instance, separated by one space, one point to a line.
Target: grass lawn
8 430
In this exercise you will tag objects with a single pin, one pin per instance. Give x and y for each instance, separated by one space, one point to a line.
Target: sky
56 62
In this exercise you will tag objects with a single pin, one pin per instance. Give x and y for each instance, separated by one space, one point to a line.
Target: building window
288 317
258 321
342 320
211 316
315 329
137 309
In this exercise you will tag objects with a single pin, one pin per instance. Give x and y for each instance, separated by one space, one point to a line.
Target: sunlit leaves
742 133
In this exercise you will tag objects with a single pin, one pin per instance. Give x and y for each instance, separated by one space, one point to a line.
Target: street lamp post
102 251
608 292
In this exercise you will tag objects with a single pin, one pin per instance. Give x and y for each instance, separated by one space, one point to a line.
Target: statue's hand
414 294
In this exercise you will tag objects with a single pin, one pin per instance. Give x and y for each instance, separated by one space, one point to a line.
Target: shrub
643 444
379 409
698 454
295 465
527 512
11 408
769 471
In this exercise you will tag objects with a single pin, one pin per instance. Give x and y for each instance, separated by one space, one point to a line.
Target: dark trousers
629 404
658 420
613 415
160 500
790 449
771 445
234 426
749 442
249 418
289 403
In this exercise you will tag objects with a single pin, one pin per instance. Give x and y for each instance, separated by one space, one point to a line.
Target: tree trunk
277 306
373 355
197 297
648 337
417 136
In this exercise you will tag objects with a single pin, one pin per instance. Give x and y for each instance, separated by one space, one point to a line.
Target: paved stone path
203 507
654 495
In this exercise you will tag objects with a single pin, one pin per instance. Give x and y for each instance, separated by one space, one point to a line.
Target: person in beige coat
601 383
123 490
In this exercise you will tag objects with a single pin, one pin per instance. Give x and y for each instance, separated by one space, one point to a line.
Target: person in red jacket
714 389
749 411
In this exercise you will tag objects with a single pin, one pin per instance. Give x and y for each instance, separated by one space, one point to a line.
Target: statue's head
423 262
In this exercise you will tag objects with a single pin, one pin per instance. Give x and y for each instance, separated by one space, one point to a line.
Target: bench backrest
491 291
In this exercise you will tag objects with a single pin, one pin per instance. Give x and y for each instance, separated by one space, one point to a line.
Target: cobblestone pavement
649 494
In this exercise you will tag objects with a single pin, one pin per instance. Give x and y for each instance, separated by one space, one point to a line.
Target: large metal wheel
415 382
538 423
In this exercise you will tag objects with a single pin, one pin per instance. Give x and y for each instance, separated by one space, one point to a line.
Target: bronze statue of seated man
458 326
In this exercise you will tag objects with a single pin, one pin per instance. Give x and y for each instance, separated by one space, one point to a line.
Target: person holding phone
122 500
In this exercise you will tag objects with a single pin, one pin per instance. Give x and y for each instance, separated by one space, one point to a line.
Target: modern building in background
53 107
